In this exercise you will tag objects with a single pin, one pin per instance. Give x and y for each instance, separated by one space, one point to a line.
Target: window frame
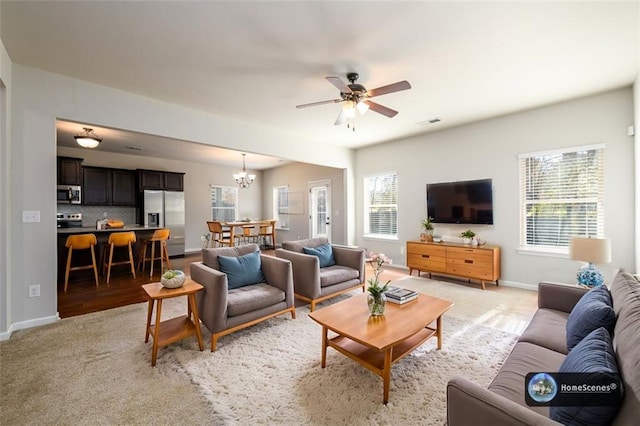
367 206
234 189
596 197
283 219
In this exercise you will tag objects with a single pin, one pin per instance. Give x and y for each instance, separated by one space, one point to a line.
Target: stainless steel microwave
69 194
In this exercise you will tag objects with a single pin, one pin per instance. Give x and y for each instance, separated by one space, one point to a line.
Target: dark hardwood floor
83 297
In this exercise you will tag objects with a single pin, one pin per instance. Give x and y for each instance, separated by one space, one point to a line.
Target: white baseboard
28 324
525 286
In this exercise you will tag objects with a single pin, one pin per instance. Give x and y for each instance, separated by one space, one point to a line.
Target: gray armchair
314 284
224 310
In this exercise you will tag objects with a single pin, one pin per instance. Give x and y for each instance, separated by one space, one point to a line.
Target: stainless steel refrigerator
166 209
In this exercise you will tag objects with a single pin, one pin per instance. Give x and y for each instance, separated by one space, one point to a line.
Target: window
381 205
281 206
224 203
561 195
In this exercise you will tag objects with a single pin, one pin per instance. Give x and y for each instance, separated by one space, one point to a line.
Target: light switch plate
30 216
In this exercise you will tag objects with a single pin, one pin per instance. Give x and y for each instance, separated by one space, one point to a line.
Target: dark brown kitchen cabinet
96 186
151 179
69 171
154 179
173 181
109 187
123 190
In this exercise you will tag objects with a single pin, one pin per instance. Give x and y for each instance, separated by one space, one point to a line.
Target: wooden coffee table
378 342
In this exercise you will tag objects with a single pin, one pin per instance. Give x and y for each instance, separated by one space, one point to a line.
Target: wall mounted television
468 202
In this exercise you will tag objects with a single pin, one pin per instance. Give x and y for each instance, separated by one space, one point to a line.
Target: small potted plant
467 236
427 235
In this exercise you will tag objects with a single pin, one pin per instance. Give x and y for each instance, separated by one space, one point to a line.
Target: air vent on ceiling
134 148
427 122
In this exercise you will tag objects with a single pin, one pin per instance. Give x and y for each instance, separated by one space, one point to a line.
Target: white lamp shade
588 249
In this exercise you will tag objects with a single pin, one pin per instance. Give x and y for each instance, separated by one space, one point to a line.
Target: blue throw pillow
593 310
594 354
324 253
242 270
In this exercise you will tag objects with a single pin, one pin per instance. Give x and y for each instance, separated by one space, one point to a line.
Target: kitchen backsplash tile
91 214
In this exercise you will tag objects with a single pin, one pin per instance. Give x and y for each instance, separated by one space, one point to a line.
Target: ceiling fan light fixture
362 107
349 109
243 179
87 139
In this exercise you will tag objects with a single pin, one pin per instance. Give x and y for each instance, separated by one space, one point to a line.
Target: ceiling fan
356 98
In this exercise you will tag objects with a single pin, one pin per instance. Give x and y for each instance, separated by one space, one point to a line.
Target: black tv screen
461 202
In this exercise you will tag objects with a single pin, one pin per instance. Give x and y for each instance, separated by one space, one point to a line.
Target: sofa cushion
210 255
593 354
337 274
592 311
242 270
252 298
547 329
324 254
524 358
625 291
298 246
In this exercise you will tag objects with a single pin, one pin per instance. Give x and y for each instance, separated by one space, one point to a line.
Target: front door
319 209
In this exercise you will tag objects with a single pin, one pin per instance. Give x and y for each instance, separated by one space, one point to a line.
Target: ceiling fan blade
341 85
395 87
342 118
381 109
332 101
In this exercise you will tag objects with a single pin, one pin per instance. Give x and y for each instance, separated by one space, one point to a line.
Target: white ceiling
257 60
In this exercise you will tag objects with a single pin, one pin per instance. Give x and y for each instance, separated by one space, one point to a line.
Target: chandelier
87 139
243 179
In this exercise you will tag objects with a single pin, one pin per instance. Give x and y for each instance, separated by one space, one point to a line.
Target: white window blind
561 195
224 203
381 205
281 206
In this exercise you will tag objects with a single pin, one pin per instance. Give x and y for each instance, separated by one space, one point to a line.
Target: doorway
319 209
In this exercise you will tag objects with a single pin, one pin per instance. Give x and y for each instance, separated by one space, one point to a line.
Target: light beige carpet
95 369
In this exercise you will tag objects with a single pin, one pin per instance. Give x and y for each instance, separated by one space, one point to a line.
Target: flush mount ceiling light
87 139
243 179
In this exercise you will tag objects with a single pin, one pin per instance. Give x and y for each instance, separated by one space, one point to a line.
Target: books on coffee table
400 295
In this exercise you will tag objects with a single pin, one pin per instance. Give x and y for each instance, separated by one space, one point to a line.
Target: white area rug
95 369
271 373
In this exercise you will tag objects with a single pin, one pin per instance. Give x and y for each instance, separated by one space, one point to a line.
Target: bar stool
118 239
80 242
159 236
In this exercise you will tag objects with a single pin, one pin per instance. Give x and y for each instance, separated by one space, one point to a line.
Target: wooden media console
480 263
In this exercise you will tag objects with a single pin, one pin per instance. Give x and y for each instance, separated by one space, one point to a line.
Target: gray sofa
314 284
224 310
542 348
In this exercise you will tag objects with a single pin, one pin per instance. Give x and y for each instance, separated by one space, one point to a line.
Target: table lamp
591 250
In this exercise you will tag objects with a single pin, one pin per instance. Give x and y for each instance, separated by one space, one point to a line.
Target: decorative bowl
175 279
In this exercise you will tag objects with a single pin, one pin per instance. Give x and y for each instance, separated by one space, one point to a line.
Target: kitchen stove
69 220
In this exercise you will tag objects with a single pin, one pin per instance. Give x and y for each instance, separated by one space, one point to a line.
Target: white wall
5 126
298 176
197 181
489 149
38 99
636 103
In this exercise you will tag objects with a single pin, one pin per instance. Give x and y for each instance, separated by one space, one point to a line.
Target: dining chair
220 236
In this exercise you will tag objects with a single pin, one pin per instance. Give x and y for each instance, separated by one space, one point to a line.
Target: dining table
249 224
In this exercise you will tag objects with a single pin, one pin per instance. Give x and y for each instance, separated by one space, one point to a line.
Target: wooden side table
166 332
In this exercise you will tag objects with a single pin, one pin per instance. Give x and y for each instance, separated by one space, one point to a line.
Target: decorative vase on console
376 299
